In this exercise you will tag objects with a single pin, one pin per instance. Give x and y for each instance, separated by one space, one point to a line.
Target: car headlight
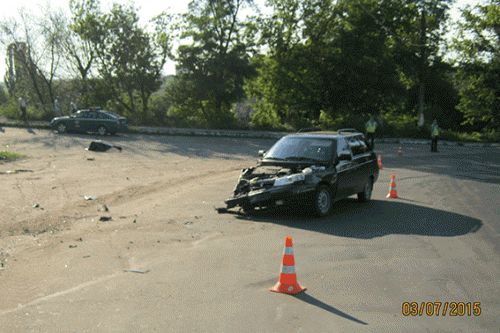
289 179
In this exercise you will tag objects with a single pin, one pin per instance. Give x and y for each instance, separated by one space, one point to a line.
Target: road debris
90 159
72 246
135 271
101 146
105 218
88 198
36 205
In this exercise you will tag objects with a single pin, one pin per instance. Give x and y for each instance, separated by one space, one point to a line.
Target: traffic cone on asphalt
380 162
287 283
392 190
400 153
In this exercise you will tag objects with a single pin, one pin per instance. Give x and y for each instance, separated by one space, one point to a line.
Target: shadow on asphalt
204 147
373 219
316 302
480 164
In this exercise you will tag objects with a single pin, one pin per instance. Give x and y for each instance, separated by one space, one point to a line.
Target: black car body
315 168
90 120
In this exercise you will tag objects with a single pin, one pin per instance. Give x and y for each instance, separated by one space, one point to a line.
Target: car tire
323 201
102 131
61 128
367 191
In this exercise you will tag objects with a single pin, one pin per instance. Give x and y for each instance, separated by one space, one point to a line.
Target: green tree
213 68
478 76
128 58
342 57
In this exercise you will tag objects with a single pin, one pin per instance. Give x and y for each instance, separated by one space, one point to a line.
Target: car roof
327 134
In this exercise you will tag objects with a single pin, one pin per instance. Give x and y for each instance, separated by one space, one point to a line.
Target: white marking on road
61 293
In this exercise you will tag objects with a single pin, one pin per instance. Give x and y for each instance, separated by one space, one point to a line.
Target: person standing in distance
73 107
57 108
435 135
371 127
22 106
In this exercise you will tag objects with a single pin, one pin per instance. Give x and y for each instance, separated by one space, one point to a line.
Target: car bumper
274 196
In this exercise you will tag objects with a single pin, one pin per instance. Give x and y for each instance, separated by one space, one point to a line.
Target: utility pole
423 70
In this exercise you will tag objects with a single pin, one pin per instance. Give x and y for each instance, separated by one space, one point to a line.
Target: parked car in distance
311 168
90 120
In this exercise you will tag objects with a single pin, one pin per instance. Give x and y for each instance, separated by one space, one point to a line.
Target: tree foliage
478 77
128 58
213 68
333 58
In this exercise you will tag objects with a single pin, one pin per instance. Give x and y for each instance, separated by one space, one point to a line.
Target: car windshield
293 148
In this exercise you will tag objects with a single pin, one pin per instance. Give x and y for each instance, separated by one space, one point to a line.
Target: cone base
400 154
291 289
392 195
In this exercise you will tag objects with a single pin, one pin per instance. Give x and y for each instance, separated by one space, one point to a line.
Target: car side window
342 149
90 115
363 146
355 146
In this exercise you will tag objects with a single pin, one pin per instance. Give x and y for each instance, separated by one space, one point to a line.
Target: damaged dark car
312 169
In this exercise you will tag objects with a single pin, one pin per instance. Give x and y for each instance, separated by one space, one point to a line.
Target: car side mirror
262 153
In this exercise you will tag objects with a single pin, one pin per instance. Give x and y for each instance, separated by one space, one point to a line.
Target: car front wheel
367 191
61 128
323 201
102 130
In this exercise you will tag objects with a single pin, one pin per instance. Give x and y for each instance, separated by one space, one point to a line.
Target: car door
76 121
88 123
360 163
343 165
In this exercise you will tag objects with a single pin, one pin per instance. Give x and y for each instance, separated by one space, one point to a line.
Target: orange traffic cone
380 162
400 153
392 191
287 283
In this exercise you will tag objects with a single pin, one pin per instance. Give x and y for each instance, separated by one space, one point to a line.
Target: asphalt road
439 242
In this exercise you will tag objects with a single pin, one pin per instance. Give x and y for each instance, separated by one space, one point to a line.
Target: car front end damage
274 186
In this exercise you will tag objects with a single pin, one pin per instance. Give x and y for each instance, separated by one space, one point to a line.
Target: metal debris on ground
88 198
135 271
72 246
36 205
90 159
105 218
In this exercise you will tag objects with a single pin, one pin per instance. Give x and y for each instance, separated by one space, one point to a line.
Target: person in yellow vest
435 135
371 127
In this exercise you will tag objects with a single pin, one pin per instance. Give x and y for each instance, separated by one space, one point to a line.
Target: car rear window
109 115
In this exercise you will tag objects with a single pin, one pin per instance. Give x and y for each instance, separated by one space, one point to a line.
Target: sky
148 9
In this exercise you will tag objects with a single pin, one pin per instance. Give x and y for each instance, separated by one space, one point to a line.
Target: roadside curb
247 134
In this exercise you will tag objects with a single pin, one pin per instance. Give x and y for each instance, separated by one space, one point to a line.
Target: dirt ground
47 224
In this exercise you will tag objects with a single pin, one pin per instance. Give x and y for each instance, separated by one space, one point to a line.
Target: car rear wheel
61 128
367 191
323 201
102 130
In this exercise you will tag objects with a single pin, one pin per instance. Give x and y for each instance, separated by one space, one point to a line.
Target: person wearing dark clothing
435 135
22 106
